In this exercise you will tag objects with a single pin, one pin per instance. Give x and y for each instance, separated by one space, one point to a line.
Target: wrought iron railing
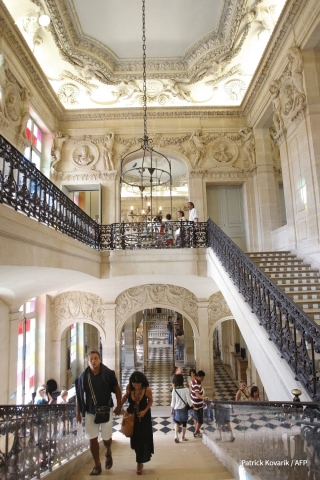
24 188
265 440
35 439
291 330
151 235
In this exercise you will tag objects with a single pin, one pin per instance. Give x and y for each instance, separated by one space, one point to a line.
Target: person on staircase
197 397
179 401
139 395
93 388
243 392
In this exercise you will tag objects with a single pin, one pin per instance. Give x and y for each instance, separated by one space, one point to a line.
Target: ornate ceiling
200 53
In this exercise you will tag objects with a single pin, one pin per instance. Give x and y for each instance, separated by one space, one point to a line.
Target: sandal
109 461
98 470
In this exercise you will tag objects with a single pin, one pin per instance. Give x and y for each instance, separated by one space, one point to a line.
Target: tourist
179 401
139 395
97 382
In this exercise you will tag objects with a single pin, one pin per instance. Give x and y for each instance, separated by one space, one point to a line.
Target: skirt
180 415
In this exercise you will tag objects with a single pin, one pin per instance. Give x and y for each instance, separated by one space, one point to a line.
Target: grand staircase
297 279
171 461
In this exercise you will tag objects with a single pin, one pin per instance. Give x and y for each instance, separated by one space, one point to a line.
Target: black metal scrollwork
293 332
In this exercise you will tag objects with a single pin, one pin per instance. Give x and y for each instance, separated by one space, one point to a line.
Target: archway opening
154 343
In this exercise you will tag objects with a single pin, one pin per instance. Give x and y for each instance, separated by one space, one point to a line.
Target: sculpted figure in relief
197 145
264 15
295 57
11 107
84 158
248 143
174 88
223 155
58 139
289 102
24 111
274 89
3 80
108 154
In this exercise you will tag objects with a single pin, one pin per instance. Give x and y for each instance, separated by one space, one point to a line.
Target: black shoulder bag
186 404
102 414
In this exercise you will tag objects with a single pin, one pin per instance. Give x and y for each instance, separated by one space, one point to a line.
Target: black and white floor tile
158 374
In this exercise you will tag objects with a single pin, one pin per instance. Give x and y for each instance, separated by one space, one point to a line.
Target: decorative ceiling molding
288 19
33 71
72 42
35 75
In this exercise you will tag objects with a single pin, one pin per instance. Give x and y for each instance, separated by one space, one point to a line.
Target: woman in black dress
139 395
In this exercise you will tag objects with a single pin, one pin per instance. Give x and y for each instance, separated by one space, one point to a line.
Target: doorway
225 208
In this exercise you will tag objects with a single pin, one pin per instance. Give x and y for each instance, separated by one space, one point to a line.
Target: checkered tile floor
158 374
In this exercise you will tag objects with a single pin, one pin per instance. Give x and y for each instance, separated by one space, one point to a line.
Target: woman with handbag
180 404
139 395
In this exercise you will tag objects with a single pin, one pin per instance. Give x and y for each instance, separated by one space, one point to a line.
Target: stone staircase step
298 282
307 303
289 275
171 461
284 268
272 263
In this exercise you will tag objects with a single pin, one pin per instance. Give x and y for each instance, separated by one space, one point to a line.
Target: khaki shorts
92 429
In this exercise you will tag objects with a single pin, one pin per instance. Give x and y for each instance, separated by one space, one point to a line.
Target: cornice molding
27 62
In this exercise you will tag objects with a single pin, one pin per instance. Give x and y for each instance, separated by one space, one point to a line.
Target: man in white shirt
193 215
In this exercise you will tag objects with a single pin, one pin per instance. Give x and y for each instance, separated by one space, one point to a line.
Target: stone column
266 192
8 395
188 344
203 352
145 344
197 195
129 342
111 353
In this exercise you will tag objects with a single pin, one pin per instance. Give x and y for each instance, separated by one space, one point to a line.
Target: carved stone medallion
12 104
84 156
223 152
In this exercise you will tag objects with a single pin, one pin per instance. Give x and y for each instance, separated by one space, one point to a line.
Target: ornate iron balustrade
36 438
291 330
24 188
272 439
147 235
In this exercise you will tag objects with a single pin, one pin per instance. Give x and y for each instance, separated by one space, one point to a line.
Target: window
73 342
34 135
26 353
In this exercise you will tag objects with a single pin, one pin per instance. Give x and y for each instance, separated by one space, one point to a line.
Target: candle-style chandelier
146 170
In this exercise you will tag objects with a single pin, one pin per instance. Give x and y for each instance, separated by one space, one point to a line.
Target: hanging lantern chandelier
146 170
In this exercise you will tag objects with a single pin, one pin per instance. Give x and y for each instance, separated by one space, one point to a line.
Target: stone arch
142 297
75 307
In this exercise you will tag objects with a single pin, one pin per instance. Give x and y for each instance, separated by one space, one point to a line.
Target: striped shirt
196 387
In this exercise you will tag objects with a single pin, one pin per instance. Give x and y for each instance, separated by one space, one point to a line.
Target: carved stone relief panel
84 156
14 104
217 308
224 152
288 95
80 306
144 295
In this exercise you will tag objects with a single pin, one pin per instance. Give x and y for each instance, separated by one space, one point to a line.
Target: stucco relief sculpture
248 144
155 294
223 155
109 151
264 15
288 95
198 147
68 94
58 140
15 104
235 89
84 156
217 308
78 305
274 89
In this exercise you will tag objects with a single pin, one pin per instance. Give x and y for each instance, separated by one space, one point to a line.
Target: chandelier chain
144 71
